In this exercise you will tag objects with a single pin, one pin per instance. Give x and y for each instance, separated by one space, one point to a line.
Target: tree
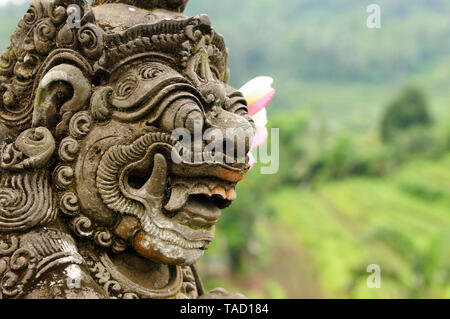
409 109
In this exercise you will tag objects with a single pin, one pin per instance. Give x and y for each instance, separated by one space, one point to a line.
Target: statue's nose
234 131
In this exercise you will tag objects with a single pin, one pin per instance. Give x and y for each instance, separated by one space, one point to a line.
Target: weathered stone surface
92 203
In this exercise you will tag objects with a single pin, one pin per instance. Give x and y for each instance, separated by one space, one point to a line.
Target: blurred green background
364 118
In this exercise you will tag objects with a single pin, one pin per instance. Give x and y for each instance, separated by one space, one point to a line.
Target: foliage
428 265
343 226
408 110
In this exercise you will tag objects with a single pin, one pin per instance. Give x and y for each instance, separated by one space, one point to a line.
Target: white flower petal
257 88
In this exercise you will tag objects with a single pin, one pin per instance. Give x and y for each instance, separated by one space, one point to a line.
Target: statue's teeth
219 191
231 194
178 198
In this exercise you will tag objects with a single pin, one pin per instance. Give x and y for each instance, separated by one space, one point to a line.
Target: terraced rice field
401 223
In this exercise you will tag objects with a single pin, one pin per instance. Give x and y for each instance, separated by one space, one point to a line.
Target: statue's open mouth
193 202
177 203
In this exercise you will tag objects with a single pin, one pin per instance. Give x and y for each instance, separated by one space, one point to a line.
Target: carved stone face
122 132
131 165
117 133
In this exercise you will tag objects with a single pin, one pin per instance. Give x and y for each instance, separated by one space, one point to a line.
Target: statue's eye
183 113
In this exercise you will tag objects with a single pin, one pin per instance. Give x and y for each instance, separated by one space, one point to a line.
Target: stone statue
97 197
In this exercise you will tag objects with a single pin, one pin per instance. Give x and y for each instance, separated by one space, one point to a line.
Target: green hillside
345 226
343 198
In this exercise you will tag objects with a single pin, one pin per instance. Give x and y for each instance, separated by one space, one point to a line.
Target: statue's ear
63 91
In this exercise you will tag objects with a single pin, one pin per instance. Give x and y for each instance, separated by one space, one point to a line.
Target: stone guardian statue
98 197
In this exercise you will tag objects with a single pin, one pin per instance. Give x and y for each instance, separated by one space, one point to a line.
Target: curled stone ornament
26 200
58 14
7 61
8 245
68 149
91 40
44 33
103 238
69 204
26 258
63 177
118 245
82 226
31 150
19 272
80 124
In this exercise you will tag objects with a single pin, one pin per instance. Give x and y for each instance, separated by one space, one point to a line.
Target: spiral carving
126 87
42 30
16 270
32 15
80 124
26 200
10 156
113 288
36 145
91 40
149 71
63 177
58 14
44 33
6 248
7 61
68 149
82 226
21 258
103 238
69 204
119 245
